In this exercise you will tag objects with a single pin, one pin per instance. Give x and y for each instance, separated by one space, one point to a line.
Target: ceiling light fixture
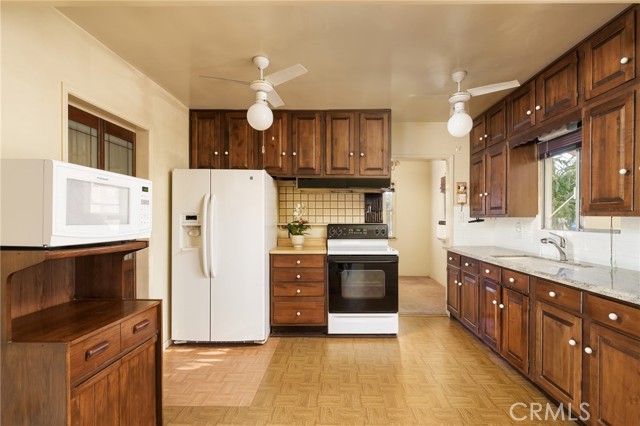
259 114
460 123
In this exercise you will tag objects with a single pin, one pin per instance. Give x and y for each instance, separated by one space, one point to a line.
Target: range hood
345 184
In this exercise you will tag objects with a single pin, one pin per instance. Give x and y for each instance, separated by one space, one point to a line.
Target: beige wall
46 58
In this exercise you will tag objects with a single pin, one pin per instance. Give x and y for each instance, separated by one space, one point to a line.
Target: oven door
363 284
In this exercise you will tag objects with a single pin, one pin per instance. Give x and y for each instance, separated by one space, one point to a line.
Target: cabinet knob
293 153
486 271
480 138
572 342
588 350
459 284
624 60
613 316
466 263
351 154
482 195
226 153
362 154
298 262
215 152
450 258
298 276
298 291
284 153
486 136
495 302
501 306
455 281
552 294
298 314
512 280
528 112
623 171
486 193
537 107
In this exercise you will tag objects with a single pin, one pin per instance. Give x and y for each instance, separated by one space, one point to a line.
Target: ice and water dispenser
191 231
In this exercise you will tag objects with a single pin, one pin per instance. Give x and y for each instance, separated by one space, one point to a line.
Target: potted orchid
298 227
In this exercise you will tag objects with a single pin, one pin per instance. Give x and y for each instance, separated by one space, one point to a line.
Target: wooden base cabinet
453 291
469 301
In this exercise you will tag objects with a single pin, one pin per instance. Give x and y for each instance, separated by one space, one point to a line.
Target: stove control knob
383 231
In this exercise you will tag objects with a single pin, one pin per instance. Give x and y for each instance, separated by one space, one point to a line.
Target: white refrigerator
223 226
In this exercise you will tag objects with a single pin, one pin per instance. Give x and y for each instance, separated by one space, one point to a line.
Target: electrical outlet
518 230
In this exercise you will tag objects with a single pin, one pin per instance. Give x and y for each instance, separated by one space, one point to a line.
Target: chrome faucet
560 246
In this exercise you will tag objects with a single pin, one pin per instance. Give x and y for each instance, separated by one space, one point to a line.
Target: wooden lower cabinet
97 401
613 377
514 345
453 291
558 354
469 301
490 296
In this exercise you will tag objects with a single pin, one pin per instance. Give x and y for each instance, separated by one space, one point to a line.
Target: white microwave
48 203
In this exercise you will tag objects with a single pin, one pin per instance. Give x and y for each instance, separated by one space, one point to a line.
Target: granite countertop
621 284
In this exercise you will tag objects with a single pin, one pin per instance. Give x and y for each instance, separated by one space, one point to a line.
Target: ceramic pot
297 241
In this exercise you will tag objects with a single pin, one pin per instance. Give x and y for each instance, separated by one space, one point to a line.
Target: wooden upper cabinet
306 142
521 108
274 146
496 124
609 56
608 150
239 142
340 143
477 185
557 87
373 144
477 135
495 195
205 140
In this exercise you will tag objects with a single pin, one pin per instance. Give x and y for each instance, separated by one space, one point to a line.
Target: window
98 143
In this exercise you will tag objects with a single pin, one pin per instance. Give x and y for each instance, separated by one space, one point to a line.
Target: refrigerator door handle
212 253
204 258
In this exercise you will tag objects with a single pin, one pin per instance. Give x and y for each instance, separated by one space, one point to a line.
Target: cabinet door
609 56
373 145
306 143
515 329
557 88
477 135
521 108
477 185
205 140
469 301
607 155
239 142
274 143
453 291
496 124
613 370
138 386
558 354
490 313
340 143
495 195
97 401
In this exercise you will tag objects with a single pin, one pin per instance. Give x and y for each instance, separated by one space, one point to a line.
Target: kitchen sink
541 262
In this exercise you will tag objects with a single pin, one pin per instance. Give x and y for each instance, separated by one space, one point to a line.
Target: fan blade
286 74
274 99
226 79
490 88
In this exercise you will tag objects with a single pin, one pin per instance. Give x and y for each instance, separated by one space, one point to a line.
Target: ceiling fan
259 115
460 123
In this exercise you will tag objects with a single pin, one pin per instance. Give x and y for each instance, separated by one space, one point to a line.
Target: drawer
613 314
453 259
292 311
299 289
139 328
89 354
298 261
490 271
560 295
297 275
515 280
469 264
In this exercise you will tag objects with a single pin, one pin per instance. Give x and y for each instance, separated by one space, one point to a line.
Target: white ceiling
360 54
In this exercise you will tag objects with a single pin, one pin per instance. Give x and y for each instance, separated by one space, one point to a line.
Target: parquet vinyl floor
433 373
421 296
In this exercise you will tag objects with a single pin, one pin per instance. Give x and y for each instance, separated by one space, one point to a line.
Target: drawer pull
298 291
588 350
298 262
298 314
486 271
495 302
528 112
450 258
141 326
572 342
623 171
613 316
624 60
552 294
466 263
501 306
512 280
100 347
298 276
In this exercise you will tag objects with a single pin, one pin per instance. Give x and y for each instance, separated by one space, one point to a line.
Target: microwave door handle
212 252
204 259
